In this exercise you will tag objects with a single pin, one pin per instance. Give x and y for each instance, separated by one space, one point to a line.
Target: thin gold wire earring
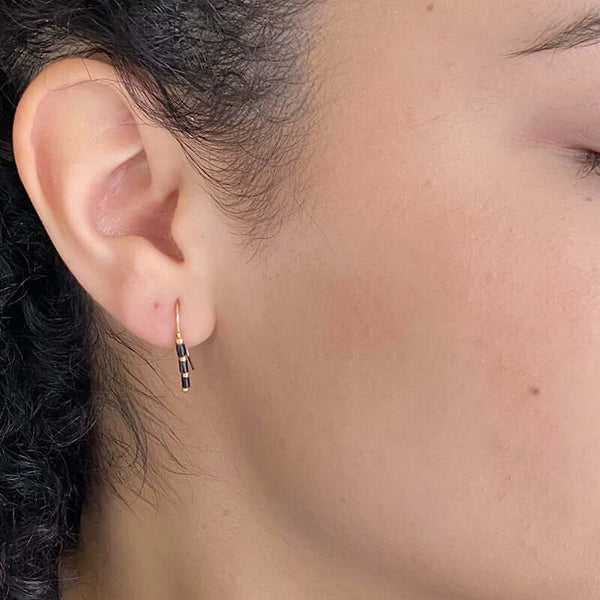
182 354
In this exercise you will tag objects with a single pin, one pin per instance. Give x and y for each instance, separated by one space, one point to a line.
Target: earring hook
182 353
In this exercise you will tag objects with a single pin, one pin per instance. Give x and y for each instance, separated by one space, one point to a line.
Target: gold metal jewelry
182 354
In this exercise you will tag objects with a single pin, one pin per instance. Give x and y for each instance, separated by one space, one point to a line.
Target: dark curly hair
227 78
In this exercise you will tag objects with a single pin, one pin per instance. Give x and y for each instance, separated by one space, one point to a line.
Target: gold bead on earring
182 354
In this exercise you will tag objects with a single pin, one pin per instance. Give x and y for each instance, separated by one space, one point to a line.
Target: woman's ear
117 199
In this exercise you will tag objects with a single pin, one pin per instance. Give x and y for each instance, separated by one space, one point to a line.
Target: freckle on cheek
534 391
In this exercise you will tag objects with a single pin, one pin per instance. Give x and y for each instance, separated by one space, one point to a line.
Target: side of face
416 359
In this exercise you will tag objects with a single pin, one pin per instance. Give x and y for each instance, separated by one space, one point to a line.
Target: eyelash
590 162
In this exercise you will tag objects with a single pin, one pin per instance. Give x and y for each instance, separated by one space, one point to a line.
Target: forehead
518 24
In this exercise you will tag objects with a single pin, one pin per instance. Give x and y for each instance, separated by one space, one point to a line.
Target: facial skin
397 398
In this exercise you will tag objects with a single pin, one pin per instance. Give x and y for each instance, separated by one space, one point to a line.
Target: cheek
529 291
414 372
434 366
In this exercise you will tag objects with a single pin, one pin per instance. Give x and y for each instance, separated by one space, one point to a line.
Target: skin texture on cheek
424 400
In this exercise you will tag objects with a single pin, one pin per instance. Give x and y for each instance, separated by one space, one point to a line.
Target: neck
210 535
203 522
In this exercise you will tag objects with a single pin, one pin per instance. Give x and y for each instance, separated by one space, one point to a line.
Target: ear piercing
182 354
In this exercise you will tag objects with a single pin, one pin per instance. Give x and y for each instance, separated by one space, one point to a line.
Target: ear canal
113 217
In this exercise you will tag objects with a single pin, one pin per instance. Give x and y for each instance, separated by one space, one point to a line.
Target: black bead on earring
182 354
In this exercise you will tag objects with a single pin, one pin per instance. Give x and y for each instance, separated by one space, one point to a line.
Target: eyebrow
585 31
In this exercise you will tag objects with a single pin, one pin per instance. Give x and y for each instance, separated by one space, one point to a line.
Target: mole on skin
534 391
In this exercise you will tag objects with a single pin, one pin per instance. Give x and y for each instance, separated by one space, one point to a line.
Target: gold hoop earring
182 354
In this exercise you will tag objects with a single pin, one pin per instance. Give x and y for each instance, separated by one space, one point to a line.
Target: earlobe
107 184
